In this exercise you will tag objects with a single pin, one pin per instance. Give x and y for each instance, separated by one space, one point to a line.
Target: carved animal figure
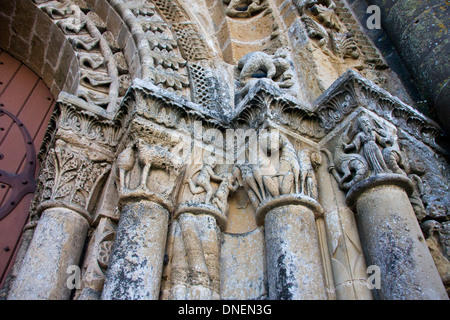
394 160
153 155
245 8
352 165
125 163
253 62
203 181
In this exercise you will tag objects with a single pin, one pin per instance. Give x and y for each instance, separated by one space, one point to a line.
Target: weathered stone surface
143 76
393 241
243 266
294 266
57 244
136 261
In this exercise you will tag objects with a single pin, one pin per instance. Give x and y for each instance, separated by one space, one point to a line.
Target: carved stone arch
69 44
29 35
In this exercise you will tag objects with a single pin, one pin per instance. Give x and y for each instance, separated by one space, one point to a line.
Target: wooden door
25 109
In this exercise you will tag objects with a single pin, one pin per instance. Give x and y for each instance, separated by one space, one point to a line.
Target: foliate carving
97 259
191 41
245 8
70 177
193 45
161 59
94 47
265 102
367 49
87 125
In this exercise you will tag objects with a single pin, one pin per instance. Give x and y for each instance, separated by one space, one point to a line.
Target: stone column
418 31
57 244
67 183
148 175
344 244
294 265
136 262
195 259
392 239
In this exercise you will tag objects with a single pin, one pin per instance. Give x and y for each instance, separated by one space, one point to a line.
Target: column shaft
294 264
136 262
57 244
393 241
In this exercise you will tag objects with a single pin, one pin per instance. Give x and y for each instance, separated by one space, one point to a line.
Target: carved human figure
250 185
264 171
227 185
309 160
367 140
203 181
289 167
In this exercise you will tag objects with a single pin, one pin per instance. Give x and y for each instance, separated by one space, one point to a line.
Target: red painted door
25 109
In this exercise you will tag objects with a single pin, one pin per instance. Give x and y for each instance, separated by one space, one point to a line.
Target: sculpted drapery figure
367 140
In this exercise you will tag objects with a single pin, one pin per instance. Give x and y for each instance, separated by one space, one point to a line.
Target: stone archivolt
161 235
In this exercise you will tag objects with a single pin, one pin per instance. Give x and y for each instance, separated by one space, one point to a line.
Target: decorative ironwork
21 183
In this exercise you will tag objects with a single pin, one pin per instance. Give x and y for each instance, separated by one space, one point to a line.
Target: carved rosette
97 260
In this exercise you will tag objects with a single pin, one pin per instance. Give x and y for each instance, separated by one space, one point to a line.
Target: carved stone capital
81 124
70 177
285 200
